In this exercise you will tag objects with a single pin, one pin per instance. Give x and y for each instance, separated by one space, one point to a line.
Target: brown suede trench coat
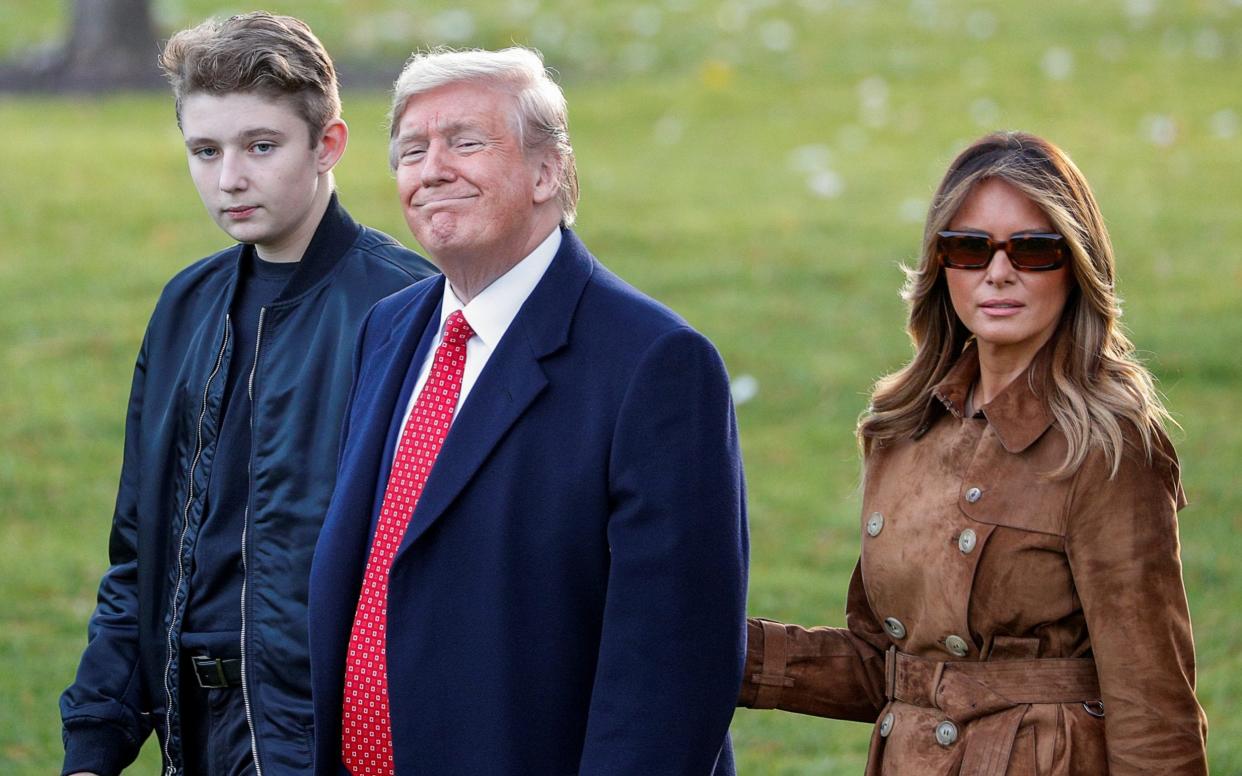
999 622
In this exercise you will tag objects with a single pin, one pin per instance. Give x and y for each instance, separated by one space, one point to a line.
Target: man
233 428
565 595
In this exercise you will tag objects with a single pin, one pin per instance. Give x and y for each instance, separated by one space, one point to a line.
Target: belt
968 689
215 673
991 695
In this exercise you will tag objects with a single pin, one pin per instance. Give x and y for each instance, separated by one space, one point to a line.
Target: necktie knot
457 329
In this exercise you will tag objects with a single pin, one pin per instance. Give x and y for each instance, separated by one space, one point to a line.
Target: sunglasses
1031 252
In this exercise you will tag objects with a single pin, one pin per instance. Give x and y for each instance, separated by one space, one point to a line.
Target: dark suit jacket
569 596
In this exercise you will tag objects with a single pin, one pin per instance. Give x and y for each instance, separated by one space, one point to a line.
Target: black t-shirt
213 613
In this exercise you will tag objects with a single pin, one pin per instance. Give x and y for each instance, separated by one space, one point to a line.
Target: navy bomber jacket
128 680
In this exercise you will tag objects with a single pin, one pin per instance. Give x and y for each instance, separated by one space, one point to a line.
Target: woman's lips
1001 308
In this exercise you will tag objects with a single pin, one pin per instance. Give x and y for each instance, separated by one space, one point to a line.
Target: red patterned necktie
366 728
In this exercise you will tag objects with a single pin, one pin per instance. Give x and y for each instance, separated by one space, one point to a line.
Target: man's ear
332 142
547 178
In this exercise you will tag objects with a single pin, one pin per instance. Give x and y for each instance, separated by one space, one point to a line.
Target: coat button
895 628
886 725
957 645
973 495
946 733
966 541
875 524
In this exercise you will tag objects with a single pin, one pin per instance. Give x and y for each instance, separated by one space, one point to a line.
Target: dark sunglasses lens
1037 252
965 251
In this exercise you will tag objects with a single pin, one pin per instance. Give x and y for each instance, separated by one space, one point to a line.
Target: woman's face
1011 313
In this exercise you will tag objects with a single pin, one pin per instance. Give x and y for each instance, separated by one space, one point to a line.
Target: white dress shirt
489 315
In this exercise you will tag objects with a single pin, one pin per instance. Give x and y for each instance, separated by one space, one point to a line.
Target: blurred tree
111 45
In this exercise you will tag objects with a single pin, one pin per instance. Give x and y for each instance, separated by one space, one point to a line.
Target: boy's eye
263 148
205 153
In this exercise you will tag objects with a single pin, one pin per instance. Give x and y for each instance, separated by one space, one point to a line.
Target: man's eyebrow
449 128
246 135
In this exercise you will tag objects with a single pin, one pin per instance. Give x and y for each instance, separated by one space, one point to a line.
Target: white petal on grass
646 20
815 6
810 158
985 112
371 32
852 138
582 46
548 30
903 58
1173 43
1209 44
777 35
1058 63
976 72
523 9
639 56
1159 129
743 388
454 25
873 101
925 13
981 24
1111 47
1224 123
913 210
826 184
1140 11
669 130
732 16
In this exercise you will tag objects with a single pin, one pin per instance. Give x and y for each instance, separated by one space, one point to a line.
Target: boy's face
255 168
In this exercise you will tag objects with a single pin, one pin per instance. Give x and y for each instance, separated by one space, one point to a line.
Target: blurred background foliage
763 166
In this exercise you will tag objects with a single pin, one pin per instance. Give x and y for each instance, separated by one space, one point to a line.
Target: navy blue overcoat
569 596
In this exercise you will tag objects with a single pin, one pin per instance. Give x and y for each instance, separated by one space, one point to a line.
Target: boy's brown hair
260 53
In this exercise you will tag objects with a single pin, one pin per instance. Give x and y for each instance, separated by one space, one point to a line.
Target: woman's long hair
1094 384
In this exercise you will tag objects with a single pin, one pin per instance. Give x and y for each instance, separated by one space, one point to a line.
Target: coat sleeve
673 634
1122 544
102 711
826 672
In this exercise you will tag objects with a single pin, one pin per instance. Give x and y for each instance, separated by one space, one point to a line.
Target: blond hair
1093 384
542 118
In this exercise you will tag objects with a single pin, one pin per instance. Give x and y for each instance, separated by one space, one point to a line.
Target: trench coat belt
991 695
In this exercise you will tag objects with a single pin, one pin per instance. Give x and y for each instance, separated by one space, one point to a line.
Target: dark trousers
214 733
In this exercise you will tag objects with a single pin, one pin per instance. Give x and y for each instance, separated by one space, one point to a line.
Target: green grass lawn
761 166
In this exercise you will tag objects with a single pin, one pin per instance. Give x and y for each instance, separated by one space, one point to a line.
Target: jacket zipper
254 743
170 769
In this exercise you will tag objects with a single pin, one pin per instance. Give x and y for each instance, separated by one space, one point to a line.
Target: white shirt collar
495 307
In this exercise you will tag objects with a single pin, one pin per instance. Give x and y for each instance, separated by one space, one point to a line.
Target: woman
1018 605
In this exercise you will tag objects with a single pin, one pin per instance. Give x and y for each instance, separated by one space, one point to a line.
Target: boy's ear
332 142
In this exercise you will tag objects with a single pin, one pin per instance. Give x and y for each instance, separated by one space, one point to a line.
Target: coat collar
1019 413
336 234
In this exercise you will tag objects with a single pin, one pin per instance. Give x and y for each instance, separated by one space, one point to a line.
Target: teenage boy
234 422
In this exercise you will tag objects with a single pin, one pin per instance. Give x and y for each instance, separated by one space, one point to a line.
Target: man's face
468 190
254 167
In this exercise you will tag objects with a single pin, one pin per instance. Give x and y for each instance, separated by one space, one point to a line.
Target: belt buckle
204 664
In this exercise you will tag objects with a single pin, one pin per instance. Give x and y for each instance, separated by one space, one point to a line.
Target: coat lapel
512 380
383 381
